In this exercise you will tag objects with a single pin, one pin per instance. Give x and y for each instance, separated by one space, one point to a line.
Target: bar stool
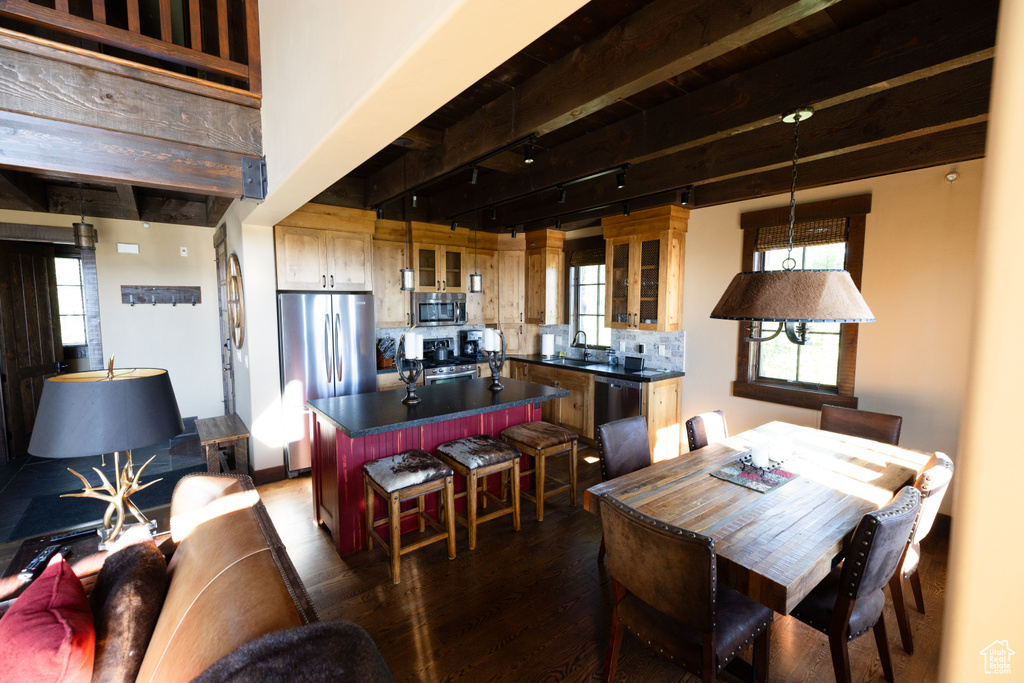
398 478
478 456
543 440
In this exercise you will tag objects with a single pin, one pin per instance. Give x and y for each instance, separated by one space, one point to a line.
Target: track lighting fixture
415 200
558 224
620 179
528 153
380 212
494 214
513 232
625 208
687 196
561 195
473 174
455 224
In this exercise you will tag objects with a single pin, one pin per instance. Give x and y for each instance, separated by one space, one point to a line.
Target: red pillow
47 634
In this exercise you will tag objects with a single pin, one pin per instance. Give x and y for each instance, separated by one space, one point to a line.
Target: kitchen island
348 431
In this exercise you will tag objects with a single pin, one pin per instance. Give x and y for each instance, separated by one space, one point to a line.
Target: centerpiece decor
409 361
494 349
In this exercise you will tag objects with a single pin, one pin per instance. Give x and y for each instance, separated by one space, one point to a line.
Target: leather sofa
230 579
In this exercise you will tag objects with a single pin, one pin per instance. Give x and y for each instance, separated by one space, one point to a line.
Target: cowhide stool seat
543 440
402 477
475 457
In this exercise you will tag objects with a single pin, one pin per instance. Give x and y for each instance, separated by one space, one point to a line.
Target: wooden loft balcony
149 107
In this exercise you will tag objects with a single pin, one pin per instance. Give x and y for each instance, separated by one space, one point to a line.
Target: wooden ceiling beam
22 191
914 42
348 192
954 99
216 207
130 203
150 208
661 40
94 203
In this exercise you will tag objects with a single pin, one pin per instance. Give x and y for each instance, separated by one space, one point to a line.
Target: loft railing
212 37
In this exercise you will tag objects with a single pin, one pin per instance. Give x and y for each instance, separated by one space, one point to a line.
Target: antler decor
127 484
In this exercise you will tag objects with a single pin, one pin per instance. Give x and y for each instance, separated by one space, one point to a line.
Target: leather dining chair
862 423
666 592
932 484
706 428
849 601
623 446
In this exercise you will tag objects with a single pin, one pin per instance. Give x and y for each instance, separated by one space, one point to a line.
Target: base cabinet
662 404
574 412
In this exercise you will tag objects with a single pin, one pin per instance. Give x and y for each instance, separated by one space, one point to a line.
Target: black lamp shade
84 413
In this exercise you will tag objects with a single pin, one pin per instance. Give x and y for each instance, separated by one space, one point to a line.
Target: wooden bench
223 431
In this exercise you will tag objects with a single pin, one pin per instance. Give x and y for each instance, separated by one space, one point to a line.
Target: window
827 235
70 302
588 304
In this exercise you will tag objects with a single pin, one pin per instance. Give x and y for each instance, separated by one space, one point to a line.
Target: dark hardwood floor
535 605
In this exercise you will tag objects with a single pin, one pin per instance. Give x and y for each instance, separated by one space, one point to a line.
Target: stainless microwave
438 308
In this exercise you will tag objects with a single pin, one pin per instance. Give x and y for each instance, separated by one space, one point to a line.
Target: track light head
455 224
494 214
561 195
513 232
473 175
528 153
620 179
380 212
625 209
558 224
687 196
415 200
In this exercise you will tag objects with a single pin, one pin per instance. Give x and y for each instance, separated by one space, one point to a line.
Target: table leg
212 458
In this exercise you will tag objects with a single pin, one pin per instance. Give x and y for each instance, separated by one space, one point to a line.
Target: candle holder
409 374
496 360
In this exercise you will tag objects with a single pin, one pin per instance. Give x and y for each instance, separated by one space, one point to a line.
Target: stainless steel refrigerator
327 349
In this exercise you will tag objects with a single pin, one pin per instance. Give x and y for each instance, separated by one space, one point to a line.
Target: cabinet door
511 279
428 274
389 380
576 411
349 261
515 338
301 258
391 305
618 283
662 406
453 275
650 268
482 308
543 284
548 376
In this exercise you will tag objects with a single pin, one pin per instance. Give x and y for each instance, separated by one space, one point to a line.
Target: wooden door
301 258
428 272
511 279
576 411
349 261
392 307
618 281
482 309
227 367
30 336
453 274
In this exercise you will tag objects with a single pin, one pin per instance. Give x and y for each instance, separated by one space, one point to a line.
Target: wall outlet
622 347
184 251
558 341
663 349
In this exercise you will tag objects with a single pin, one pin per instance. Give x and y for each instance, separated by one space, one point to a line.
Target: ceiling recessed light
952 177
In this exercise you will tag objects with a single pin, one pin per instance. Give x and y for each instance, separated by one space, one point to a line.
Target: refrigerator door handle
337 356
327 345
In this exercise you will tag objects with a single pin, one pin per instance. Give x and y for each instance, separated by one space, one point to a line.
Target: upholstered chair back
623 447
862 423
706 428
878 543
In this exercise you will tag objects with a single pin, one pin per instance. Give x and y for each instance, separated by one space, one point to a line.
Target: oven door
457 377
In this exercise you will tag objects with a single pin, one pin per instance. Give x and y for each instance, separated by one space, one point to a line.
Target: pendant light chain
794 117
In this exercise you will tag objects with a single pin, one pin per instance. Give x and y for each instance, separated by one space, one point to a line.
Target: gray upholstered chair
666 592
862 423
706 428
623 446
932 483
849 601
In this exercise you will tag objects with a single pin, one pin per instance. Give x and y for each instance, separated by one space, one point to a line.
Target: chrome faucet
586 349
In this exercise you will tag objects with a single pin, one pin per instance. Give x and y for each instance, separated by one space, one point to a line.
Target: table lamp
93 413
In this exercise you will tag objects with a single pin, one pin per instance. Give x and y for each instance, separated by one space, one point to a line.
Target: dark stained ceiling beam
151 208
348 192
22 192
914 42
216 207
661 40
130 203
951 100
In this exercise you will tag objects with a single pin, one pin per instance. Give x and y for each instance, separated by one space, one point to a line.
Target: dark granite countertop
377 412
603 369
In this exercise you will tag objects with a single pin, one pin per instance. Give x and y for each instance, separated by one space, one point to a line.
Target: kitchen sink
571 362
600 367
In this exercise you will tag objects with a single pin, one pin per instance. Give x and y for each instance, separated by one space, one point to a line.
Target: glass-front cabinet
439 268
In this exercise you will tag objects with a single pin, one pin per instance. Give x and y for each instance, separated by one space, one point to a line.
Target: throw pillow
126 603
47 634
324 652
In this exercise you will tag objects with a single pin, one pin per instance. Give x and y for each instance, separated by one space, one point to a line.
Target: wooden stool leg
449 505
541 460
368 510
515 494
422 507
572 473
471 484
395 526
483 499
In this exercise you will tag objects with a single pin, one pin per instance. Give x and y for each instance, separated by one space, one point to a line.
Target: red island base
338 460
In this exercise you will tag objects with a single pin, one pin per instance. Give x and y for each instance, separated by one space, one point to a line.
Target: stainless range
439 368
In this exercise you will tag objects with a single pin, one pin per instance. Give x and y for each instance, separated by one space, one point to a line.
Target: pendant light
85 234
476 280
790 297
408 274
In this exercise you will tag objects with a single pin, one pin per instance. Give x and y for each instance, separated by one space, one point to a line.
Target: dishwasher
614 399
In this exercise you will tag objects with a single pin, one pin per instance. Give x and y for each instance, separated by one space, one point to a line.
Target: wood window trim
855 210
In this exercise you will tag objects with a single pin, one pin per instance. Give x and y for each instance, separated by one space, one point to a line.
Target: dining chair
666 592
932 484
706 428
849 601
623 446
862 423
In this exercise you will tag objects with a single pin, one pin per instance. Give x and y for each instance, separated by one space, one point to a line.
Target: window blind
805 234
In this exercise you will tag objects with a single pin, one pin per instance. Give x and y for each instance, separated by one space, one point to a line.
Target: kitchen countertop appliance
471 343
444 367
327 349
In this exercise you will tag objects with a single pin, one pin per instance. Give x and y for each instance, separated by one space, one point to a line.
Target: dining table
777 545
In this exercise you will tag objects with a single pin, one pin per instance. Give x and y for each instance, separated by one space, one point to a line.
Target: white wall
182 339
919 268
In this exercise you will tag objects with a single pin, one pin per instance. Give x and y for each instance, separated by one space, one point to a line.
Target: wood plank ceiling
690 94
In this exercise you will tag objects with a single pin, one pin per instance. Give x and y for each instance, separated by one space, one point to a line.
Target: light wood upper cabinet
644 269
439 268
325 248
483 308
511 287
392 307
545 262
